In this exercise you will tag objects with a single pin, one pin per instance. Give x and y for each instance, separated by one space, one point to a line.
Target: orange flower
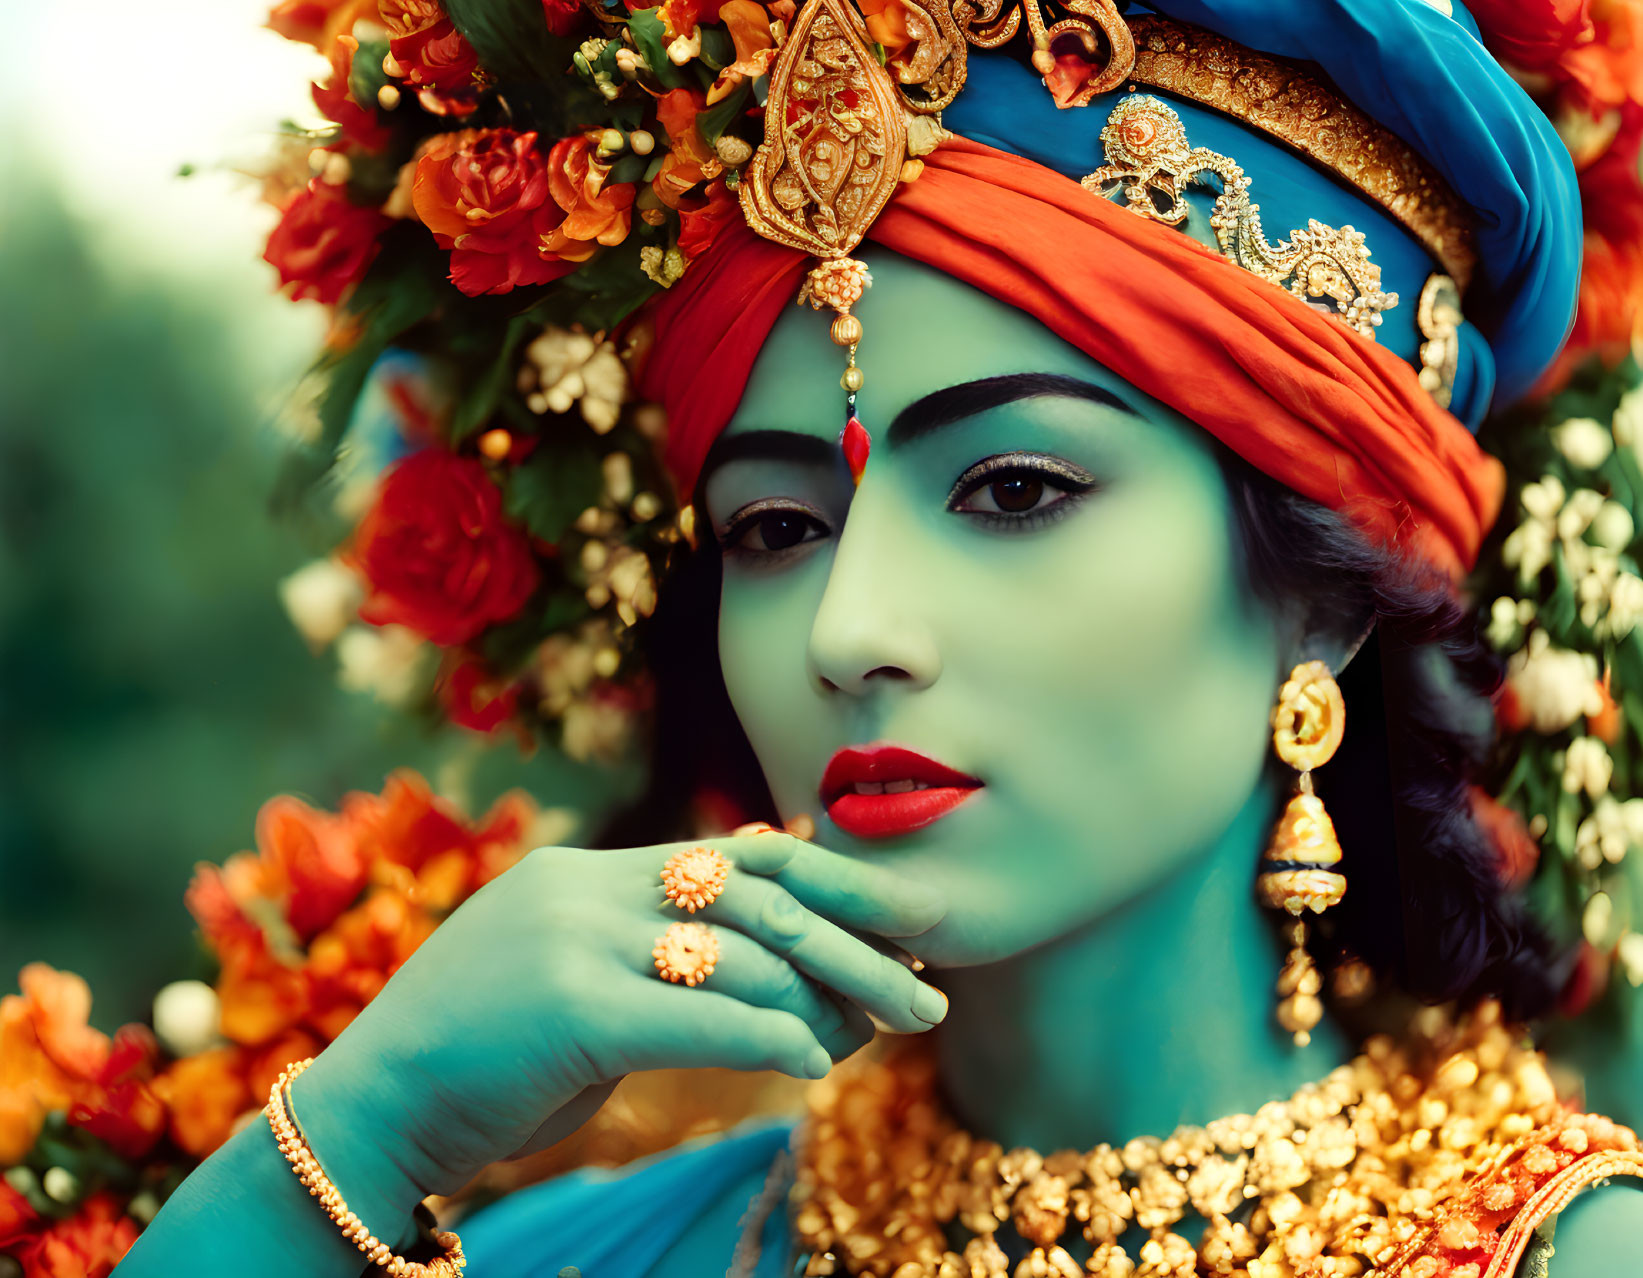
351 962
689 160
1605 725
86 1245
266 1065
58 1006
312 863
887 25
260 1000
1610 67
749 25
594 213
206 1094
309 21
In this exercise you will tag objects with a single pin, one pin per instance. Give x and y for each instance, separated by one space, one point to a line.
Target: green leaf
400 291
718 49
477 405
555 485
630 168
713 122
366 75
650 38
511 37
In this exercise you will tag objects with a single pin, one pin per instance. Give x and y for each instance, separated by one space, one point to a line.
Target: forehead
922 330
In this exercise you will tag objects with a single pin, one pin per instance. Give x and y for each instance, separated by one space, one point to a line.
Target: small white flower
186 1017
1585 441
321 598
1503 629
1554 686
684 48
1630 954
382 660
567 367
1597 918
1625 607
1578 512
664 267
1613 528
1603 836
1587 767
1628 419
1529 547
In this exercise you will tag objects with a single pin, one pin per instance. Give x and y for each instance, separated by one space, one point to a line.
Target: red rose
475 700
437 552
484 193
561 15
428 53
125 1113
323 243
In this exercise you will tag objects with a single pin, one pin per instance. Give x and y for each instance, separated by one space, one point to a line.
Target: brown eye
771 531
780 530
1016 493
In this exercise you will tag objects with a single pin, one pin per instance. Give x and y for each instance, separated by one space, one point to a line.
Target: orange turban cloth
1292 391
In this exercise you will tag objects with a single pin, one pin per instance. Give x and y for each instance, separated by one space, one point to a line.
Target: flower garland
95 1132
1564 590
476 154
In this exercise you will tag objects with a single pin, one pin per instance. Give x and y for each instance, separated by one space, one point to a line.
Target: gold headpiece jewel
843 130
1150 159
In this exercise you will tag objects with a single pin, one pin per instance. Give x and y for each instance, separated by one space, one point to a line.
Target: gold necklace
1406 1147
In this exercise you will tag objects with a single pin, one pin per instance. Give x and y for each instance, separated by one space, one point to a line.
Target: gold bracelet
302 1160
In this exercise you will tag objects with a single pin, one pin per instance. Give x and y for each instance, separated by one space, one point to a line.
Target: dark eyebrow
768 445
954 403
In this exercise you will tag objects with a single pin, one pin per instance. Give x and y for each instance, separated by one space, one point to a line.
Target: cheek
764 634
1118 684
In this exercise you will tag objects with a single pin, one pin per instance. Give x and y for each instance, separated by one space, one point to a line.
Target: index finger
867 898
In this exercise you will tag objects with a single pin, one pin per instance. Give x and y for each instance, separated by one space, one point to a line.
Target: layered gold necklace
1426 1144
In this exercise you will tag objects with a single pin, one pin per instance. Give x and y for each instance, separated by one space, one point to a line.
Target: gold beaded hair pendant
1298 872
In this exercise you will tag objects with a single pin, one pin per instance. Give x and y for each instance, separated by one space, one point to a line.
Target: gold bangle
306 1166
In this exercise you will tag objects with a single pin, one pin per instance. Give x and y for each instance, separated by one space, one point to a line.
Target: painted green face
1037 584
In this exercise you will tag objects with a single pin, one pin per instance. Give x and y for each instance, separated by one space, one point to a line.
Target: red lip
884 816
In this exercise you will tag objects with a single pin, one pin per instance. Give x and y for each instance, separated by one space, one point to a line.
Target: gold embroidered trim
1149 158
1553 1197
835 138
1296 107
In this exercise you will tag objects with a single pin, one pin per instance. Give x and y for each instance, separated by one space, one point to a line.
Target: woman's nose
869 630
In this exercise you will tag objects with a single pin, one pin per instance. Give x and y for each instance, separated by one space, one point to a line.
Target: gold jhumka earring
1298 871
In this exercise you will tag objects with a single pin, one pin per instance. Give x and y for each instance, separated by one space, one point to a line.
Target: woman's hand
508 1027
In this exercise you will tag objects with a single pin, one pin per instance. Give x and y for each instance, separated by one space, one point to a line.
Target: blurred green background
154 692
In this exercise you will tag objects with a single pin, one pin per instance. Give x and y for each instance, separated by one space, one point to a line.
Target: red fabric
1294 392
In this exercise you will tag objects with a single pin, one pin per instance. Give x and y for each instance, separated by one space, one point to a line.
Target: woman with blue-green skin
1042 581
1015 656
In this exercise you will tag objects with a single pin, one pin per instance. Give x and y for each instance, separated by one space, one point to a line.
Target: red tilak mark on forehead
857 444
